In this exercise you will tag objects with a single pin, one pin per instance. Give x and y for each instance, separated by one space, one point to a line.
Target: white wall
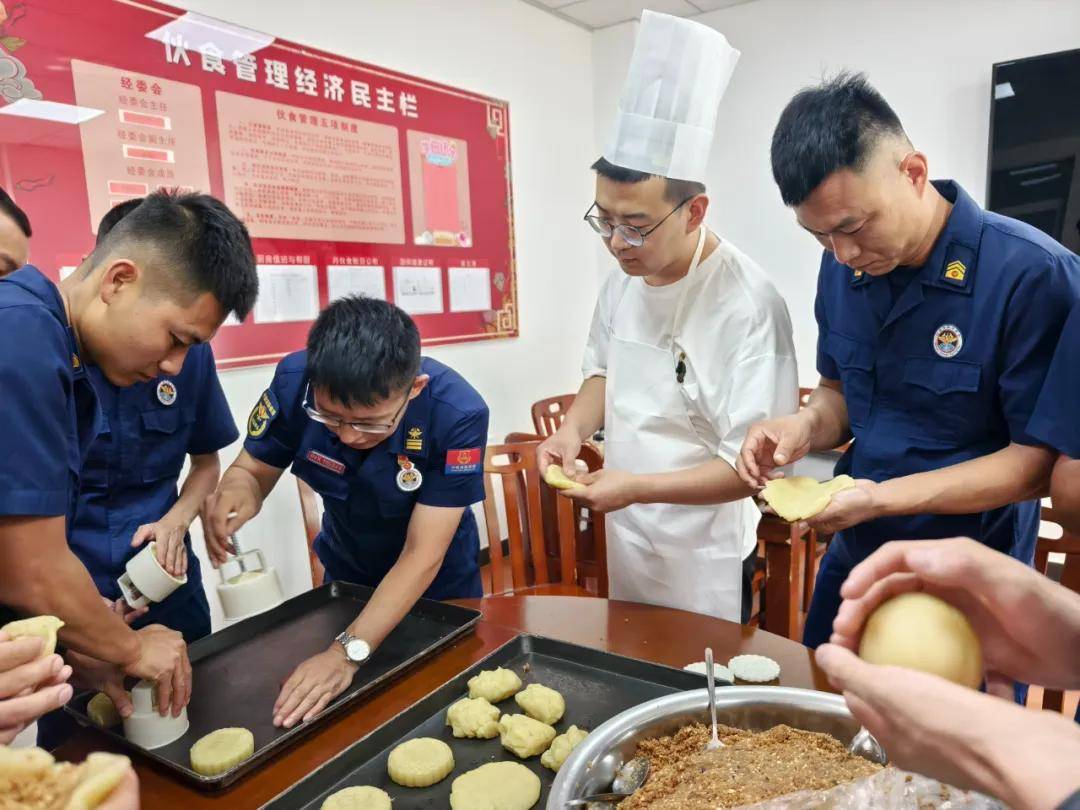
930 58
542 66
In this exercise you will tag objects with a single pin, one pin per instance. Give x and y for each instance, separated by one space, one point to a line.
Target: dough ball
798 498
524 736
99 776
541 703
495 786
358 798
221 750
561 747
44 627
473 718
102 711
420 762
920 631
494 685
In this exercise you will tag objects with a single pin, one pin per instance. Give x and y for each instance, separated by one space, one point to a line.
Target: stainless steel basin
592 765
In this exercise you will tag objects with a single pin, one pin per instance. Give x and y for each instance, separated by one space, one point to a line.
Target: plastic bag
888 789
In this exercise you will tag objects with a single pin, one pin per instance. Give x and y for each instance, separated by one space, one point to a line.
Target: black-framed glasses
630 234
360 427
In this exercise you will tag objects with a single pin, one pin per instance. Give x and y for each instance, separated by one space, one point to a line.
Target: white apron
686 557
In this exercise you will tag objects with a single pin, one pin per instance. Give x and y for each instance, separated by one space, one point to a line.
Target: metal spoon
710 677
865 745
628 778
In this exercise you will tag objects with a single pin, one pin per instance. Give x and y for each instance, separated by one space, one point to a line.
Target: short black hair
363 351
8 206
114 215
675 191
823 129
203 245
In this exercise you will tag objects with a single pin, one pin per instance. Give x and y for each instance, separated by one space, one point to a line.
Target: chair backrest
312 514
1056 539
548 414
514 467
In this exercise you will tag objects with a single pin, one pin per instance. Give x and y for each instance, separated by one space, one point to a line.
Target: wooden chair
1055 539
527 531
309 508
548 414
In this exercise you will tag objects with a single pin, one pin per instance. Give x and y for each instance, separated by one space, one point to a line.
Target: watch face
357 650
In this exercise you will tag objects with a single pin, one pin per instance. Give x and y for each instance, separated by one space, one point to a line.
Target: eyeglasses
635 237
360 427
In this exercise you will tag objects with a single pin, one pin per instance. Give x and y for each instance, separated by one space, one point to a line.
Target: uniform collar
38 285
951 264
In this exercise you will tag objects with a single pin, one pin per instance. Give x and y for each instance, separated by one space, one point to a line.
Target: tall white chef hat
667 111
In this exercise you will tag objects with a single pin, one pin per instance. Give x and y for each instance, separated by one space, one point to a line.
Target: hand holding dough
44 627
502 785
555 477
221 751
494 685
524 736
561 747
799 498
541 703
473 718
420 762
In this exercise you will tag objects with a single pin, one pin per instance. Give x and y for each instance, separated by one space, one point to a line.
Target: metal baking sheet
238 671
596 685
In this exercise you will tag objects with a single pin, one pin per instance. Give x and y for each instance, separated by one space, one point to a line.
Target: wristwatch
356 649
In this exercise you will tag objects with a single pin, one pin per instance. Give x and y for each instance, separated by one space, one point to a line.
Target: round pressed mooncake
421 762
358 798
502 785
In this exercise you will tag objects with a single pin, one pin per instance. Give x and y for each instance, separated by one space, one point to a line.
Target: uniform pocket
328 484
856 363
942 376
942 400
164 440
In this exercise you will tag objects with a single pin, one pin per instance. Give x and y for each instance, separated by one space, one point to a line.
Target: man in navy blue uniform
937 321
1056 422
128 494
394 444
163 280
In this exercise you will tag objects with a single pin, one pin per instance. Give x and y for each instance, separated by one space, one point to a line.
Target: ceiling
596 14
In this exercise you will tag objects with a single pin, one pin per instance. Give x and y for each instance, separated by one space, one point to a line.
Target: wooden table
666 636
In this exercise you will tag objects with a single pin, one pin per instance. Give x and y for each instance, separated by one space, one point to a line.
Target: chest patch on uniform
464 462
264 412
327 463
948 341
414 440
166 392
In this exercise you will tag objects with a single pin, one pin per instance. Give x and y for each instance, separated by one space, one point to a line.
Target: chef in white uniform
690 344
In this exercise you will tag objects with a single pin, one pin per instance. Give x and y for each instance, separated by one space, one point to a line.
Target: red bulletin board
351 178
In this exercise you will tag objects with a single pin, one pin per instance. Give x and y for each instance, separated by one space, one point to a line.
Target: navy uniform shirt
951 369
50 408
443 432
1056 421
131 471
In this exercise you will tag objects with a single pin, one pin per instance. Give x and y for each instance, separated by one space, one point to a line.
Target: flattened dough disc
800 497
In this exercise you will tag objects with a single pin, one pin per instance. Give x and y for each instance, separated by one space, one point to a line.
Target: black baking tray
238 671
596 685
